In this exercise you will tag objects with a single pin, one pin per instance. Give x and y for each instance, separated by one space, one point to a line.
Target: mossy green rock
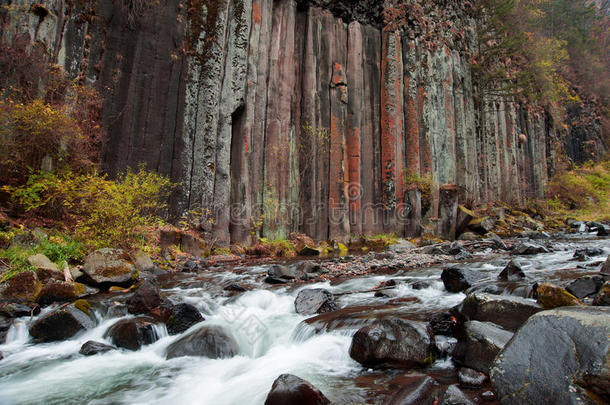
551 296
24 286
110 267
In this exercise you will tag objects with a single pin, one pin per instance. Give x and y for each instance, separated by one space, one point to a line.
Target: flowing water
272 340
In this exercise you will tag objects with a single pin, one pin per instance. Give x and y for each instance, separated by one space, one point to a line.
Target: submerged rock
209 341
456 279
63 323
479 344
182 317
506 311
132 334
314 301
454 396
91 348
289 389
558 356
109 267
394 342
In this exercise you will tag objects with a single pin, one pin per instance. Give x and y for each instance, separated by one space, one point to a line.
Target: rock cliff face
292 115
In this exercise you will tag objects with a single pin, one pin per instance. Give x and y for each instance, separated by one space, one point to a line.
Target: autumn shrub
101 211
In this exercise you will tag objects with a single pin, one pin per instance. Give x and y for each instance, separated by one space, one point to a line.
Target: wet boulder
454 396
443 323
479 343
17 309
588 252
585 286
470 378
394 342
107 267
512 272
506 311
419 389
458 279
146 297
63 323
604 271
558 356
314 301
91 348
132 334
551 296
209 341
289 389
182 317
528 248
602 299
60 291
279 274
24 286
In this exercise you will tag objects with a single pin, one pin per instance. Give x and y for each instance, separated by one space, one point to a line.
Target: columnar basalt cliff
282 115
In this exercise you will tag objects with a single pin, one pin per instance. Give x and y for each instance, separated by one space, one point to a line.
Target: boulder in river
182 317
512 272
289 389
454 396
314 301
479 344
63 323
24 286
209 341
393 342
419 389
91 348
604 271
458 279
108 267
603 296
146 297
281 274
551 296
18 309
58 291
585 286
589 251
132 334
507 311
558 356
528 248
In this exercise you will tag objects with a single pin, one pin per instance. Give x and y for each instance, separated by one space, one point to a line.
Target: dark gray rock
422 391
454 396
588 252
209 341
512 272
91 348
132 334
146 297
585 286
557 357
17 309
470 378
527 248
479 344
289 389
314 301
182 317
457 279
63 323
235 287
278 271
506 311
309 251
393 342
443 324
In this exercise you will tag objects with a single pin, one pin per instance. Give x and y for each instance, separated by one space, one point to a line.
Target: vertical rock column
448 206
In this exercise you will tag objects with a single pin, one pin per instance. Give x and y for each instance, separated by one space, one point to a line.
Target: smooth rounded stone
393 342
146 297
457 279
422 391
314 301
479 343
585 286
470 378
58 291
91 348
558 356
63 323
454 396
603 296
551 296
279 271
132 334
209 341
289 389
24 287
182 317
40 261
108 267
506 311
527 248
512 272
